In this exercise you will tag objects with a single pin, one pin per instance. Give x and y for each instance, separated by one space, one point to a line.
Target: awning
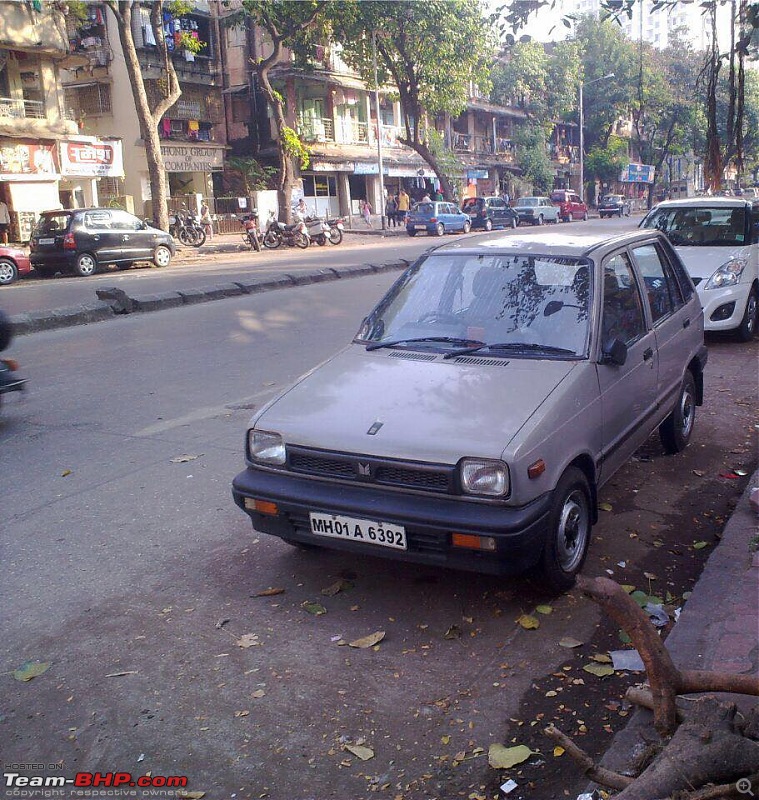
236 89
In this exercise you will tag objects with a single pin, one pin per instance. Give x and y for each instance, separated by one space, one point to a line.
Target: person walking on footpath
366 212
404 201
390 211
205 220
5 222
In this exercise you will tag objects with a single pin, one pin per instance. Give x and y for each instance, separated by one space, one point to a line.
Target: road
129 570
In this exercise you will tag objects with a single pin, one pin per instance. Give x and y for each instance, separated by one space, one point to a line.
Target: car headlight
266 448
729 274
484 476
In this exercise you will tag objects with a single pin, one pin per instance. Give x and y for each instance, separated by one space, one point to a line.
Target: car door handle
96 237
648 354
686 323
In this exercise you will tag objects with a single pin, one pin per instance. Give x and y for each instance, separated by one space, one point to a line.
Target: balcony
563 154
484 145
316 129
21 109
351 132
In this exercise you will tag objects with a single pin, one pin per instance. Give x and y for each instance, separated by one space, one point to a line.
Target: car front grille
371 470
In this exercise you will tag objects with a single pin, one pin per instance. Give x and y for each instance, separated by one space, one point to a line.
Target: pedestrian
366 213
439 196
205 220
5 222
426 198
301 209
391 209
404 201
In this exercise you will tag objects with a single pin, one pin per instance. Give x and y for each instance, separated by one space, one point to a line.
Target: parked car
86 239
490 212
614 204
536 210
14 263
483 403
437 218
718 240
569 204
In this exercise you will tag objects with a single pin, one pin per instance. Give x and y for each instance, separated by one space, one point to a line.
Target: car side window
622 314
497 203
97 220
661 287
122 221
755 225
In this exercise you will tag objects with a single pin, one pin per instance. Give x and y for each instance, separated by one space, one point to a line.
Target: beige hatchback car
482 404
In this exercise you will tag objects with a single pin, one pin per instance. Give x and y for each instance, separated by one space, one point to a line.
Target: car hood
436 411
701 262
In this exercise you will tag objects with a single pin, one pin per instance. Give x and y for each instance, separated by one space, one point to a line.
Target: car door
628 390
497 211
95 235
134 242
674 315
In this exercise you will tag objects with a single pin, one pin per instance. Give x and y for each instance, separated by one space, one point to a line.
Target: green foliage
252 175
606 162
294 148
445 159
77 9
533 159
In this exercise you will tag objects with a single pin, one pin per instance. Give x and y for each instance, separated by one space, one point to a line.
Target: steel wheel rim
751 313
572 533
86 265
162 257
6 272
687 413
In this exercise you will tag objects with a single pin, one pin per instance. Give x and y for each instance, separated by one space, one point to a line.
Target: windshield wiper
447 339
512 346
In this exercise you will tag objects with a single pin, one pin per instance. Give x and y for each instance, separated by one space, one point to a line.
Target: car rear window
472 203
49 224
558 197
424 208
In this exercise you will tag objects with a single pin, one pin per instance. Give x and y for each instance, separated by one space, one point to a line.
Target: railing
350 132
564 154
21 109
477 143
316 129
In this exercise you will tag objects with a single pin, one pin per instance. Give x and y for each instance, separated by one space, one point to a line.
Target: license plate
359 530
47 241
420 227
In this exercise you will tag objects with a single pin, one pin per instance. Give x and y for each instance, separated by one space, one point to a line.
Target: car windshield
529 201
50 224
713 226
526 306
612 198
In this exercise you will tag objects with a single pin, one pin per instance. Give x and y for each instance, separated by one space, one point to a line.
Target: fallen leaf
624 637
242 713
601 658
568 641
30 669
699 545
454 632
445 739
258 694
528 622
338 586
222 622
248 640
558 751
317 609
628 587
183 459
65 473
599 670
551 693
500 757
368 641
121 674
364 753
544 609
605 506
698 472
270 592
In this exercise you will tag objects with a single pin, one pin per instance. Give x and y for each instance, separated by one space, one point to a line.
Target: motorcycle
336 228
252 235
318 230
9 378
184 226
278 233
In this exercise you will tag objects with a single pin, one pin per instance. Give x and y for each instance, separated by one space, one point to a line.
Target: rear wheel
439 229
272 240
321 240
8 271
335 236
162 256
585 217
568 534
514 223
467 227
411 232
185 236
747 328
540 220
301 240
488 224
86 264
676 430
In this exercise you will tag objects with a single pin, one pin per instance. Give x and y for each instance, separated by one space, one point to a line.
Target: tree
249 175
169 90
606 161
433 52
288 24
533 158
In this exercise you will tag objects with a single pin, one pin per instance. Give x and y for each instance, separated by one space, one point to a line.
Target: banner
92 159
30 160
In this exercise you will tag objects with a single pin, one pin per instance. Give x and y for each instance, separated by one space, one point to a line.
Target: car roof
574 245
704 200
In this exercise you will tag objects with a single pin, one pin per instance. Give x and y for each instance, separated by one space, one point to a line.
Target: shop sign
28 161
94 159
477 174
327 166
638 173
366 169
410 172
192 158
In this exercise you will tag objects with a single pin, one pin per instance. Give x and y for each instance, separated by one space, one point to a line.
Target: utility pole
379 132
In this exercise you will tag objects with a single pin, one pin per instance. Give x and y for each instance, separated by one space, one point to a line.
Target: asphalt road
127 568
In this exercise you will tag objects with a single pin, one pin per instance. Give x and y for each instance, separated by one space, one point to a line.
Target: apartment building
192 131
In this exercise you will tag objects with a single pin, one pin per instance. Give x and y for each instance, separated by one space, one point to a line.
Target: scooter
9 378
278 233
252 236
318 230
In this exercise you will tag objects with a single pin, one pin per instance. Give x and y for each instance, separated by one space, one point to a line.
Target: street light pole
379 132
582 133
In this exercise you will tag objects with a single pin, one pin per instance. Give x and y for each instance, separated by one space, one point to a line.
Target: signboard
366 169
638 173
192 158
92 159
33 160
477 174
327 166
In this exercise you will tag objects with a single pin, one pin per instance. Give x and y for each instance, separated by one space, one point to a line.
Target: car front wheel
747 328
85 265
585 217
162 256
676 430
568 534
540 220
514 222
488 224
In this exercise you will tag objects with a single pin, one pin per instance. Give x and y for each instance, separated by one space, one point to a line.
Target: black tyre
748 326
585 217
439 229
272 240
540 220
514 223
488 224
467 227
676 430
256 242
162 256
301 240
86 265
8 271
335 236
568 535
321 240
411 232
185 236
198 237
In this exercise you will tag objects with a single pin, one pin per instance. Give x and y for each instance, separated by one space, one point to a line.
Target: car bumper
723 308
59 260
519 532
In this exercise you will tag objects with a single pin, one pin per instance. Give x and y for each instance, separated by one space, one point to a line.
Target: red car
14 263
570 205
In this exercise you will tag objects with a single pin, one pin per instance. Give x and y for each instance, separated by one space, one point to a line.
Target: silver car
483 403
536 210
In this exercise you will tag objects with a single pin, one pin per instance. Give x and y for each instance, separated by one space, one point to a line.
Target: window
622 306
97 220
89 100
123 221
661 287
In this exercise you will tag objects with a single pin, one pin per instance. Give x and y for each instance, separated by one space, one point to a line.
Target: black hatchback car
82 240
490 212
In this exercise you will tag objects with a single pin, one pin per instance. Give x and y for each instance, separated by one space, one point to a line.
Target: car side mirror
615 352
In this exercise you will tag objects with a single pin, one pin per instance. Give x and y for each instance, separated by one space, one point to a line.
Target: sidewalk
718 628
